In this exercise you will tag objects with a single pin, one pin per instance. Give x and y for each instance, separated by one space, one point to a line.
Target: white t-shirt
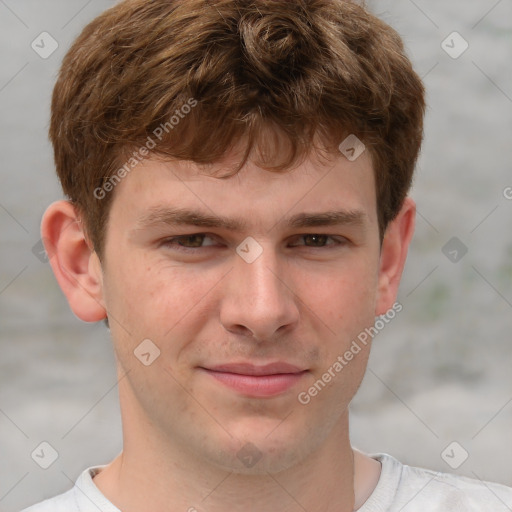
401 488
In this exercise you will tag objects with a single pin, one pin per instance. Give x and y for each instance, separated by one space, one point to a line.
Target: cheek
343 297
157 301
345 308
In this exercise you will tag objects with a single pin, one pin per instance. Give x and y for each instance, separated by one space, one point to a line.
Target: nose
258 298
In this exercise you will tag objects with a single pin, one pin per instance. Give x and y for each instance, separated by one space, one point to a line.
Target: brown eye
186 242
191 240
319 241
316 240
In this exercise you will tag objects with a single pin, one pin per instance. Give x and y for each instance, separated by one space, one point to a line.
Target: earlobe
75 264
394 249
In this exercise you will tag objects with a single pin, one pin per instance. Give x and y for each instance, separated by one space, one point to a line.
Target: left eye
319 241
195 241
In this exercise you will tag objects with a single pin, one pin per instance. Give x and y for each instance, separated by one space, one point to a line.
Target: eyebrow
169 216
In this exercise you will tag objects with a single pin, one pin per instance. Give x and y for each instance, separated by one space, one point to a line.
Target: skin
302 301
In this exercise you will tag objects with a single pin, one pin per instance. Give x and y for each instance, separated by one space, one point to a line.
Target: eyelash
172 242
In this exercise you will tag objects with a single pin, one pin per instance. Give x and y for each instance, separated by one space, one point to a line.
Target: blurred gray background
440 372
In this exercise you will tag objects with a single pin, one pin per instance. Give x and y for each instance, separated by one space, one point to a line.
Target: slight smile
257 381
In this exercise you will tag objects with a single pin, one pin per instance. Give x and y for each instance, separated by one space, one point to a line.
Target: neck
153 473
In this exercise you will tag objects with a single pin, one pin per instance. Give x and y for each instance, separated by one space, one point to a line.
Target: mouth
257 381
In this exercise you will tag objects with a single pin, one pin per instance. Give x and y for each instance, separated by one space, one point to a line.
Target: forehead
258 198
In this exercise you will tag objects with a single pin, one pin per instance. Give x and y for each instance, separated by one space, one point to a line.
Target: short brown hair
302 70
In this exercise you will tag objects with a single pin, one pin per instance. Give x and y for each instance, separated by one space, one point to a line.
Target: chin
263 449
252 459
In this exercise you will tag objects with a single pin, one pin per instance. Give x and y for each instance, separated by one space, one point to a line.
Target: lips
251 369
257 381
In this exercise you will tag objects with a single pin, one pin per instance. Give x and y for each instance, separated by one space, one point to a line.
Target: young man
237 175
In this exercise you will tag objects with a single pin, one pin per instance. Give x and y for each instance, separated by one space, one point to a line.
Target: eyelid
174 239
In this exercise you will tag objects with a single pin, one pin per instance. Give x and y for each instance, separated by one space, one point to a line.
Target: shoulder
452 492
83 497
62 502
418 489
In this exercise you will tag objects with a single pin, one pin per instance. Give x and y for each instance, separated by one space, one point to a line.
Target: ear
393 255
75 264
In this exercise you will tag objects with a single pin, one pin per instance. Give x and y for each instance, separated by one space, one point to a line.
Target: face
249 302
